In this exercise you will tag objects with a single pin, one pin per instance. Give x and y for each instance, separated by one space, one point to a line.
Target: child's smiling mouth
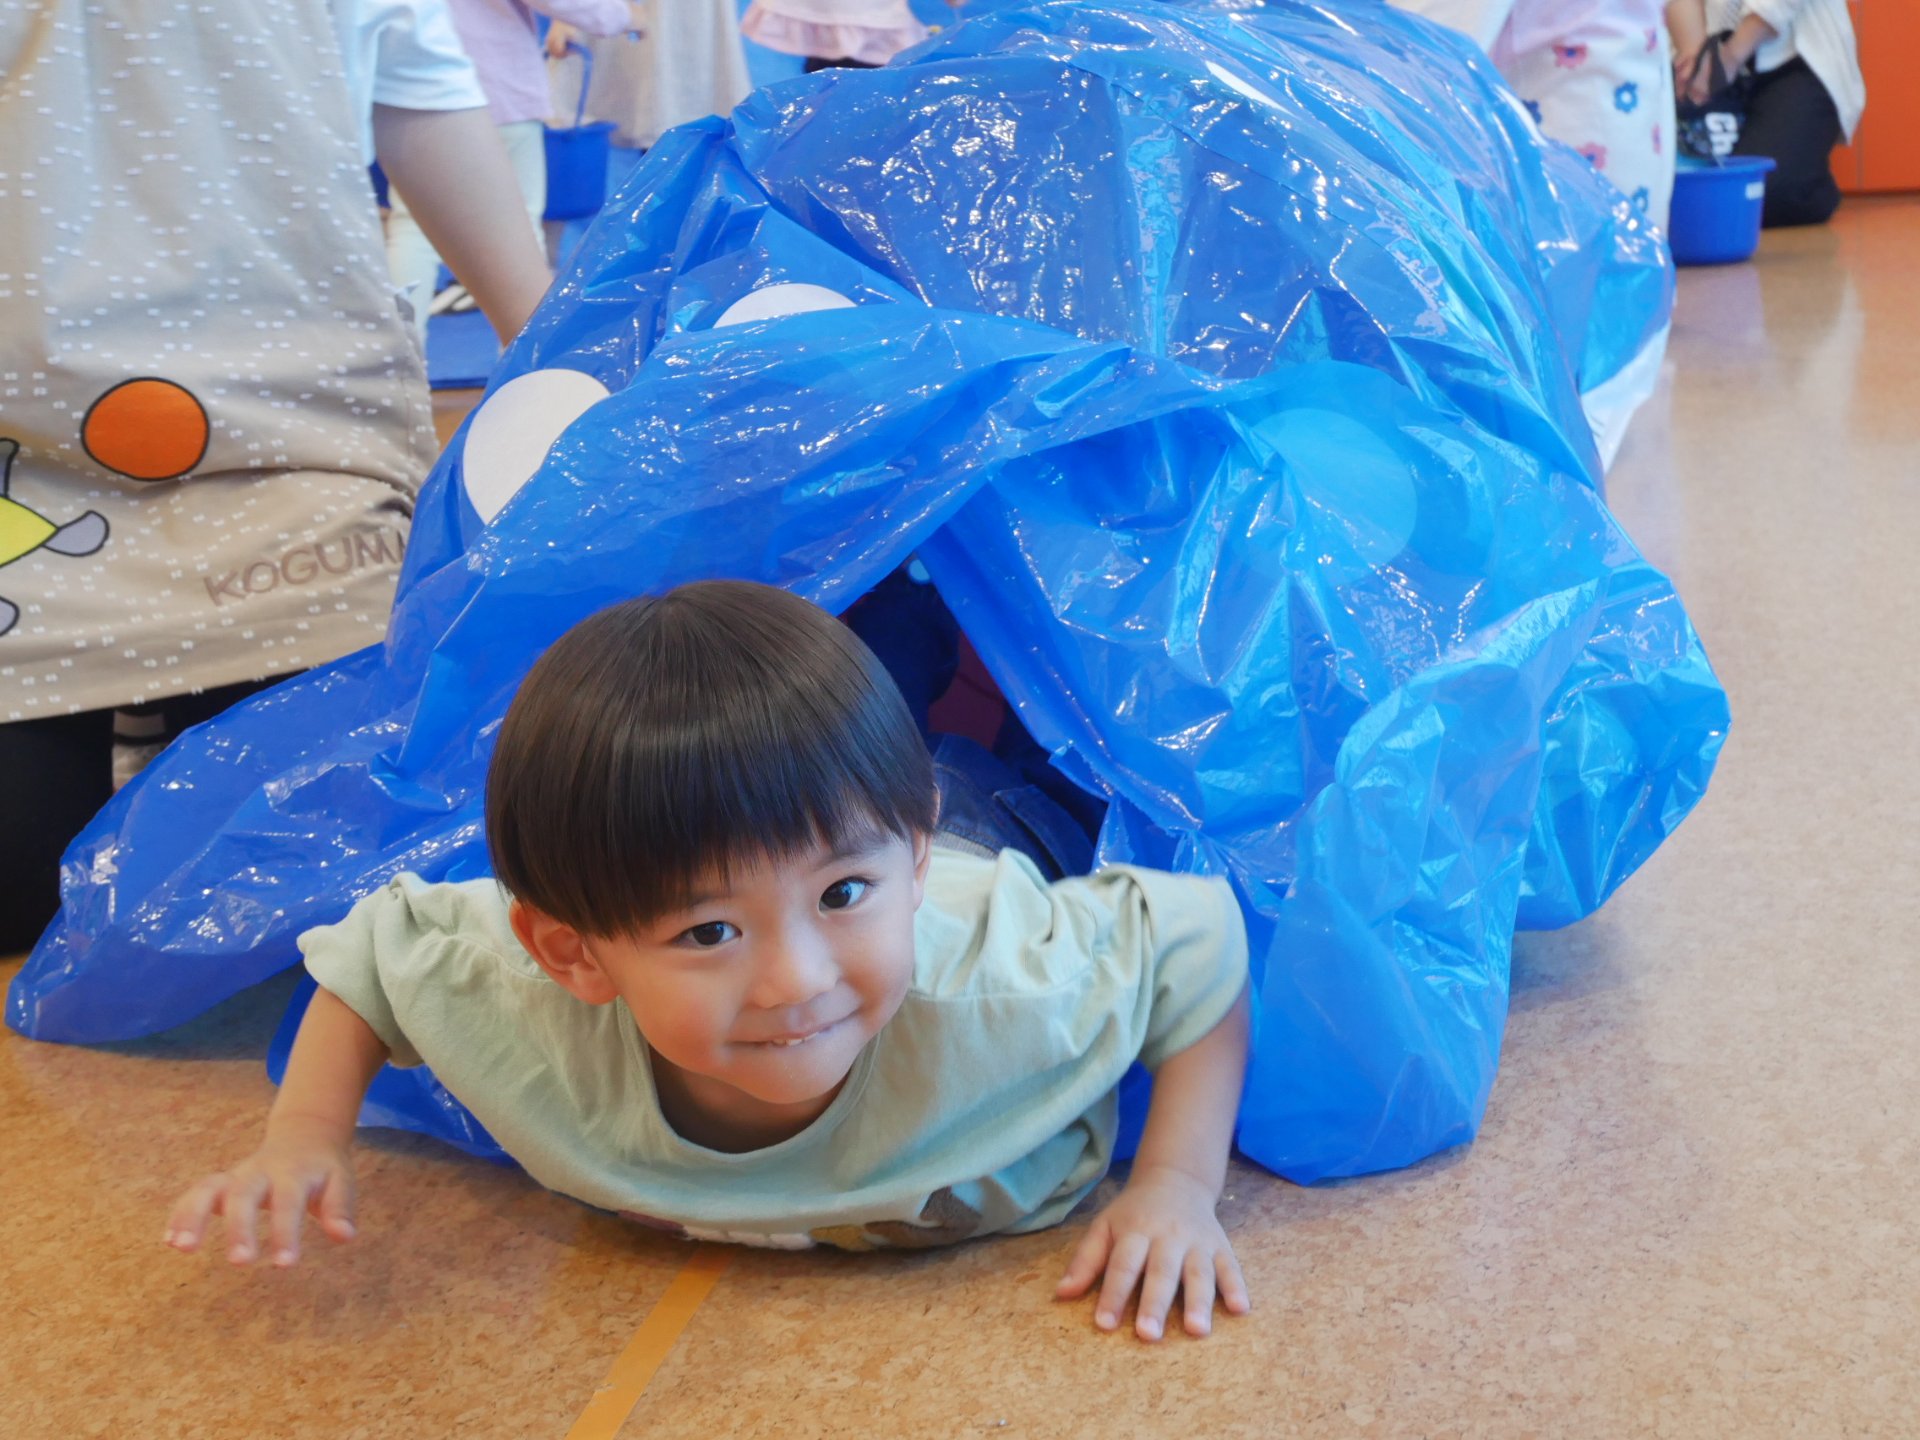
792 1039
787 1042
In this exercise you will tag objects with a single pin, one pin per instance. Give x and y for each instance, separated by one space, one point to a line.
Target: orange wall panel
1885 154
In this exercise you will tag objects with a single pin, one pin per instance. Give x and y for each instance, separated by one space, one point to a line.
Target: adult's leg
526 142
141 732
59 773
1791 119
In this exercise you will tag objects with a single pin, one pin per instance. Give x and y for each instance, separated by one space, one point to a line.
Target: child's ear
922 858
561 951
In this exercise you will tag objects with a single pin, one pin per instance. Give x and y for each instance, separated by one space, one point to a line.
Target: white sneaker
454 300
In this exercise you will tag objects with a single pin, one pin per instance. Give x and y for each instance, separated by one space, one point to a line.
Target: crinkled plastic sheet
1222 366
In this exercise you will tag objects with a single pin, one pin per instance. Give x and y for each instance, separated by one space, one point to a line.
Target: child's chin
800 1081
800 1089
795 1099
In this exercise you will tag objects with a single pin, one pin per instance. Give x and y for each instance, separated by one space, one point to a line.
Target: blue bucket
577 156
1716 210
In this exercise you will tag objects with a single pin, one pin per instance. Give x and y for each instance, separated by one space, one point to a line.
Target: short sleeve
347 959
1167 952
1196 941
403 53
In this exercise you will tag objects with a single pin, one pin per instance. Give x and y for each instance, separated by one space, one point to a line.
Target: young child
733 981
687 64
1594 74
859 33
500 38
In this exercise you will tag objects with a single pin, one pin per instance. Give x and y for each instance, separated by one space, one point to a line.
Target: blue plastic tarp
1222 366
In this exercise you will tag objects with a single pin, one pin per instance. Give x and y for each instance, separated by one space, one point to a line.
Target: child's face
770 985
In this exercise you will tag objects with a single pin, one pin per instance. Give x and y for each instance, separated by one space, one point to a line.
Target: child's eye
705 937
842 894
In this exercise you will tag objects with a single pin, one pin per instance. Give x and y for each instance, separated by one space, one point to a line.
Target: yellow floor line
627 1381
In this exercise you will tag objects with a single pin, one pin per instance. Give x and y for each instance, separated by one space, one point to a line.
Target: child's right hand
299 1168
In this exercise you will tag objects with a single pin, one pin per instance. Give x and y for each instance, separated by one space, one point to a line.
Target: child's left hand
1160 1234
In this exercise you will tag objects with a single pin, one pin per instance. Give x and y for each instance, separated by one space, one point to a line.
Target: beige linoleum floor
1690 1212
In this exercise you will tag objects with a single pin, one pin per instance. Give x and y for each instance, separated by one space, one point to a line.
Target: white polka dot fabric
218 417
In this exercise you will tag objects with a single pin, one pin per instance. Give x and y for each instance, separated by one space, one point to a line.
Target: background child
741 988
688 63
1595 74
501 39
834 32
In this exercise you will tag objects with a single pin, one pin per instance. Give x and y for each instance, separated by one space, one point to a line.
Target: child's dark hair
668 738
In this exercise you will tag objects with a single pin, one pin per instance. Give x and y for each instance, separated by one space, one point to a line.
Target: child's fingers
1088 1258
1157 1287
1233 1285
187 1224
1196 1281
1123 1273
333 1206
240 1203
286 1210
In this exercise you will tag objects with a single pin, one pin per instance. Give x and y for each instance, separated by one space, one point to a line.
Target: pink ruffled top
872 31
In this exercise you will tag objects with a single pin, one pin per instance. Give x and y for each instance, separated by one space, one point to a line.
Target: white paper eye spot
1233 82
770 302
1360 491
514 429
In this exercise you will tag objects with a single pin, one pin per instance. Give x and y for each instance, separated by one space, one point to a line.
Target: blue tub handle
574 47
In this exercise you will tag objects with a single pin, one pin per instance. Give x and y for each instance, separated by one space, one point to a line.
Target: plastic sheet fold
1223 367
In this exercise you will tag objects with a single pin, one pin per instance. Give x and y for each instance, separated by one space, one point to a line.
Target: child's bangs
663 746
705 825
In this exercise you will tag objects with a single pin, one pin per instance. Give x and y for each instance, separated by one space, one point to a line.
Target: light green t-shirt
988 1103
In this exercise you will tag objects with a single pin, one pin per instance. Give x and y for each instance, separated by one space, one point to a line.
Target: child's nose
798 968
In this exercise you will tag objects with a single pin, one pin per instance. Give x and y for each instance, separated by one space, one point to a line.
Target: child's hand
1699 75
559 36
297 1169
1162 1235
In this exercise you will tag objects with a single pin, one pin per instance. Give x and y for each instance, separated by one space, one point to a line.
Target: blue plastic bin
1716 210
577 156
577 170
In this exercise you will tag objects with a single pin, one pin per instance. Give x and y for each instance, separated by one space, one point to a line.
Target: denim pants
988 804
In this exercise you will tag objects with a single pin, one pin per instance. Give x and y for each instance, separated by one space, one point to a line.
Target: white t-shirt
404 53
988 1103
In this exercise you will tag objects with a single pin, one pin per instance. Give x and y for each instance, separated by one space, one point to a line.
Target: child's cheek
883 970
685 1021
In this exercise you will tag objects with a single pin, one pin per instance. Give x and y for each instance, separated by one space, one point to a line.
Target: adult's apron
217 418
